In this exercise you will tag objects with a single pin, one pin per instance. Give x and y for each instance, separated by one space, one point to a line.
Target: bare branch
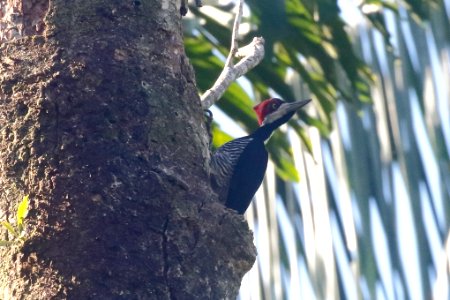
251 55
235 34
230 74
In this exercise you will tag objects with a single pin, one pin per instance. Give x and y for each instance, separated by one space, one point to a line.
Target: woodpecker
238 167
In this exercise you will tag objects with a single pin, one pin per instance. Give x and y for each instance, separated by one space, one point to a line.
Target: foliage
17 230
305 38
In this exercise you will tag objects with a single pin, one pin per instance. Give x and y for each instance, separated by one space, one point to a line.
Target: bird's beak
293 106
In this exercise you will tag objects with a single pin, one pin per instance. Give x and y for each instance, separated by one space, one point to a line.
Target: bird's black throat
264 132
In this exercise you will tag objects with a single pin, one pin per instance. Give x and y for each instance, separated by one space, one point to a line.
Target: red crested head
267 107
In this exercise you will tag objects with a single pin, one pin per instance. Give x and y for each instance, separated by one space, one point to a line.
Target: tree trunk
101 124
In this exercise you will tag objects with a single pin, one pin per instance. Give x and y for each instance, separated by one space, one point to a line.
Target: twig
234 36
251 55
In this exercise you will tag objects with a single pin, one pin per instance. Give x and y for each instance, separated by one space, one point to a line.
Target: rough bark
101 124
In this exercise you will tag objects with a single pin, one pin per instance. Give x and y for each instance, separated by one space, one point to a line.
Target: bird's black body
238 167
247 172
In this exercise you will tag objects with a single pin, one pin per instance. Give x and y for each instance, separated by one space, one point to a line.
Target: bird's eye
275 105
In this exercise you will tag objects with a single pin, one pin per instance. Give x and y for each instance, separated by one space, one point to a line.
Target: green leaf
22 211
323 128
281 154
10 228
285 168
237 104
272 75
303 136
5 243
220 137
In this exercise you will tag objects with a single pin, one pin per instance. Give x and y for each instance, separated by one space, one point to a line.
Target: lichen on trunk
100 122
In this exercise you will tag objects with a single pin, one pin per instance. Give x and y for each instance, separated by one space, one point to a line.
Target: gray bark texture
101 124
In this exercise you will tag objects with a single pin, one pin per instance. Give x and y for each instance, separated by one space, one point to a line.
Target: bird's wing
247 177
223 163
